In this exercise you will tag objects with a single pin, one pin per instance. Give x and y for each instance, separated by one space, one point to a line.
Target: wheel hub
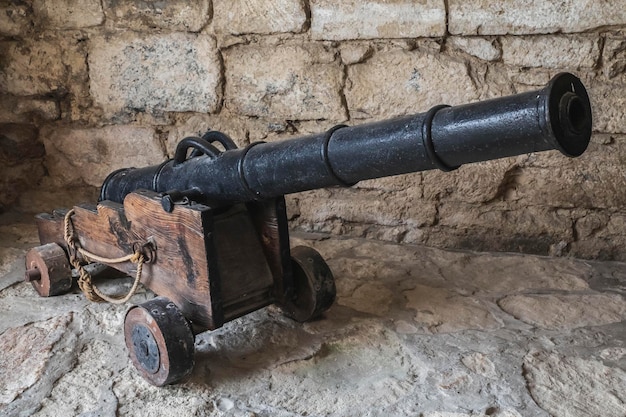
146 349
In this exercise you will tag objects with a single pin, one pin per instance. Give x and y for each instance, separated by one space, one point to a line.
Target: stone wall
89 86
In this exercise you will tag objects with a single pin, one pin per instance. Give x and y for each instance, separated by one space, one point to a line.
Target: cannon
207 230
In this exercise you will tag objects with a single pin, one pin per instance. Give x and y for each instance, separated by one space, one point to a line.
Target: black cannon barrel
556 117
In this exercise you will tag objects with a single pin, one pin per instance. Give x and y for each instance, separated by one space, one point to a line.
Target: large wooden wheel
48 270
314 285
160 341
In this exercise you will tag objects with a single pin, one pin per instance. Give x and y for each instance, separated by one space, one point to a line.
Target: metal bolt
32 274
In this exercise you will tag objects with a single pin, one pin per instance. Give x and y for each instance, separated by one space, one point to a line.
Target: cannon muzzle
556 117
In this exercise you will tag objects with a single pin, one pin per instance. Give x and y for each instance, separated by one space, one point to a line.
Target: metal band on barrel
242 175
157 175
427 139
327 136
105 183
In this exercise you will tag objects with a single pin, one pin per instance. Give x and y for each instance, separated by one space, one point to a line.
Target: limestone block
396 217
48 195
501 181
527 79
571 386
20 161
68 14
375 19
258 16
178 15
411 182
91 154
486 17
15 18
366 206
21 233
32 67
551 51
608 101
478 183
405 82
613 354
284 82
18 142
485 49
614 57
607 236
353 53
500 227
565 311
16 179
594 181
154 73
24 110
589 224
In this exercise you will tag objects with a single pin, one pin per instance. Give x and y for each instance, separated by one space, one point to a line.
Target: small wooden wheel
160 341
48 270
314 285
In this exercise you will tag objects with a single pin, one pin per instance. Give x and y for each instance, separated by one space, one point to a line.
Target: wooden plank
246 278
104 230
50 227
180 269
270 220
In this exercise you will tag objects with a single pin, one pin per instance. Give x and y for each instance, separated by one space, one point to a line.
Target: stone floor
415 332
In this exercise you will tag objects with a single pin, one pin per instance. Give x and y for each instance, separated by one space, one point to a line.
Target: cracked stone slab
573 386
376 374
441 310
565 311
26 352
372 298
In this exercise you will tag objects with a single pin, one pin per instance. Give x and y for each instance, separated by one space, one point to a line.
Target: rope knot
136 257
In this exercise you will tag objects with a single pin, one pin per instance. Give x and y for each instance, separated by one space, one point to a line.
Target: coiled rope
84 279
